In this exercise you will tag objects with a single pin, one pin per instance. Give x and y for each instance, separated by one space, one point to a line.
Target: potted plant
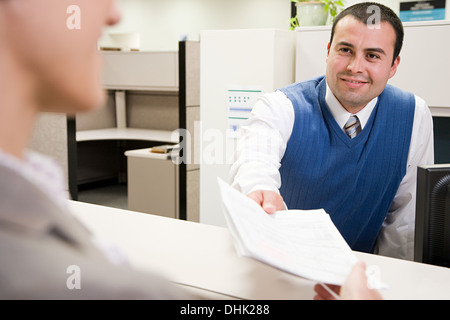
315 13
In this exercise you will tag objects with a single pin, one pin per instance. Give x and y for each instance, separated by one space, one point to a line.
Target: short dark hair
365 12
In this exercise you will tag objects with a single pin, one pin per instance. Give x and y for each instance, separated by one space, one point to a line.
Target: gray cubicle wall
53 136
142 90
102 160
168 105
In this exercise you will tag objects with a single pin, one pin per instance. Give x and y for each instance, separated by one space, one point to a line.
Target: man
296 149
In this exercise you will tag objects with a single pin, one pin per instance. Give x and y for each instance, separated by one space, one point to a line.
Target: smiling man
347 142
361 60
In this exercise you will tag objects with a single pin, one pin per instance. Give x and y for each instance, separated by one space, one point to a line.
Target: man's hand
270 201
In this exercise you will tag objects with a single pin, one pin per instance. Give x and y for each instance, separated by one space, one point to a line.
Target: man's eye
373 56
345 50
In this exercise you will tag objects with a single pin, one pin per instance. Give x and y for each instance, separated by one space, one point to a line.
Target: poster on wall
240 102
422 10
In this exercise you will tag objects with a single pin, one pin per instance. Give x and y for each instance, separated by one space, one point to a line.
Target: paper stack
304 243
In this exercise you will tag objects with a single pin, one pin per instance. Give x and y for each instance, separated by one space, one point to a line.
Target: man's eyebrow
347 44
344 43
379 50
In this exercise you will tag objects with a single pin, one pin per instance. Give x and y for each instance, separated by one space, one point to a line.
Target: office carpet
111 195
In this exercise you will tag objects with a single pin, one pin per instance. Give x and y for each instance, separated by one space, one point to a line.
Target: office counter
202 258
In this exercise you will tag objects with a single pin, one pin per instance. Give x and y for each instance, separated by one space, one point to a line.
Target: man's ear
328 52
394 67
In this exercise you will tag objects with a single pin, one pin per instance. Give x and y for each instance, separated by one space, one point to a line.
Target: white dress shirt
264 140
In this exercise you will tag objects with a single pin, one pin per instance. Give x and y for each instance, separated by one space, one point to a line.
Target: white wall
161 23
263 59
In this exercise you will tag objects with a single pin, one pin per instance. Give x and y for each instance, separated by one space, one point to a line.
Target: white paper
302 242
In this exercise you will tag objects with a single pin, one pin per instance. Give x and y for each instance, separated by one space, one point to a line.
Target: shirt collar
40 170
341 115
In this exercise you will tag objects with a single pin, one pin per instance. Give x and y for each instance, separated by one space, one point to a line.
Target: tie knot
352 127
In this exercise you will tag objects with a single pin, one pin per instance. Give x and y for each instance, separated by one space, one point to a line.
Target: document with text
305 243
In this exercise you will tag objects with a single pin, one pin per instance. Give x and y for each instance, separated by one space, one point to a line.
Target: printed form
302 242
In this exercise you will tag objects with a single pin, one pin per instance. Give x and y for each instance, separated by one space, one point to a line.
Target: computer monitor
432 232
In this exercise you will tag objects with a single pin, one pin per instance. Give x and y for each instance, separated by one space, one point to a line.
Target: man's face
63 64
359 61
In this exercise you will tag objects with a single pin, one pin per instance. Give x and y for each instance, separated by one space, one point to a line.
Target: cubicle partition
51 137
141 112
150 96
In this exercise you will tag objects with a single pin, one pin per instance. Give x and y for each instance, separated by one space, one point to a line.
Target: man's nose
356 64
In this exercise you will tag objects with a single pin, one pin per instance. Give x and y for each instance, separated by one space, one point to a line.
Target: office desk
203 257
153 183
164 136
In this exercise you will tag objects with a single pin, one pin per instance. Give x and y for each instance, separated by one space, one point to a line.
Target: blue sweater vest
354 180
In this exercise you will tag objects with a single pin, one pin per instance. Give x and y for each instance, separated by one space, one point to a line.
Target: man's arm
396 238
260 150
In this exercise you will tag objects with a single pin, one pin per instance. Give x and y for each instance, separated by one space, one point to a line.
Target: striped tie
352 127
